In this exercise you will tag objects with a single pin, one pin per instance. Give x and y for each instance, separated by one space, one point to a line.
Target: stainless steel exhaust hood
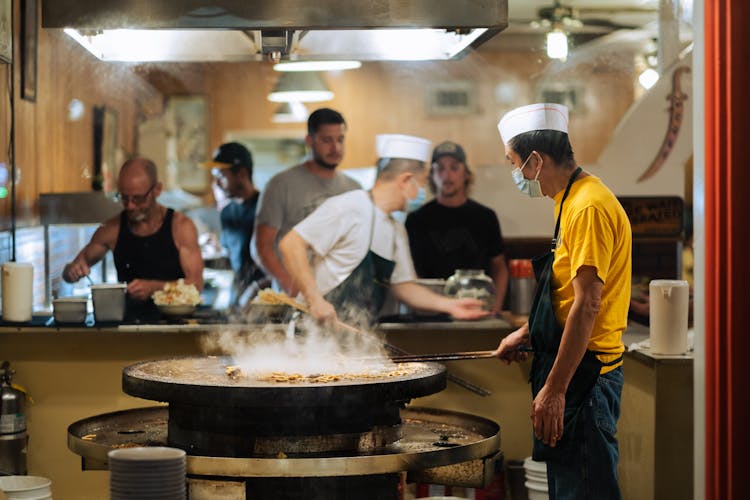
204 30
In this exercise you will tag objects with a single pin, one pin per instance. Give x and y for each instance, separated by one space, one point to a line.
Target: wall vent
451 98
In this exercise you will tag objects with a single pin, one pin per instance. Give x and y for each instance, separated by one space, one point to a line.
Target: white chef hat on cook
540 116
403 146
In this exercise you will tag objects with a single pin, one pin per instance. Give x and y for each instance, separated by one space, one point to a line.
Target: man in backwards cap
453 231
579 314
359 250
232 169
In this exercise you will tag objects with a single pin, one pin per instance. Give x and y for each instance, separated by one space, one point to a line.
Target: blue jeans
588 471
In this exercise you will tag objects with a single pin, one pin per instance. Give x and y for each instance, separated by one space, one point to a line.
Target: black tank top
147 257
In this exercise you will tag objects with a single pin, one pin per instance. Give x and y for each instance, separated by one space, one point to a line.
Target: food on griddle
235 373
269 297
177 293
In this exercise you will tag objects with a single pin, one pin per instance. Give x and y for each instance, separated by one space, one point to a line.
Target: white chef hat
540 116
403 146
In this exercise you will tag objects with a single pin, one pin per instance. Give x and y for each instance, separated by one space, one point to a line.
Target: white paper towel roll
668 316
18 284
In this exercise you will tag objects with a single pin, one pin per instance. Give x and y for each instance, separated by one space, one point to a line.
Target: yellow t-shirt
594 231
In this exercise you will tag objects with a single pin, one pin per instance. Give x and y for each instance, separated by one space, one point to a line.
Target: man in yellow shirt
579 312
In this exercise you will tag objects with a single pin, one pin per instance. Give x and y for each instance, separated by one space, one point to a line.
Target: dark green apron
362 294
546 334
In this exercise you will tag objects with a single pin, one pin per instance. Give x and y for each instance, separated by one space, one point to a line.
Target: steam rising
318 350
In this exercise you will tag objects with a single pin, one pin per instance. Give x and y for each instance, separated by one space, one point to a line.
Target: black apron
546 334
362 294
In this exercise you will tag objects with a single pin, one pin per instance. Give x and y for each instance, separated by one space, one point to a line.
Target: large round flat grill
211 413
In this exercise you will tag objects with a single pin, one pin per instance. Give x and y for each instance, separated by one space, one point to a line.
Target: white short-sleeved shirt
338 232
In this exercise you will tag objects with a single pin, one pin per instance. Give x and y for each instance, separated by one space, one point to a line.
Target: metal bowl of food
176 310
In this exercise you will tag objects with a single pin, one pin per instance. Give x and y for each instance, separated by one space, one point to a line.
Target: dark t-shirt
443 239
237 221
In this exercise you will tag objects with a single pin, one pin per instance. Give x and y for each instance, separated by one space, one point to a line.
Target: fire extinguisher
13 436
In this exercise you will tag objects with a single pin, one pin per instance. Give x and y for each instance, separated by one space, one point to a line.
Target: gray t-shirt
293 194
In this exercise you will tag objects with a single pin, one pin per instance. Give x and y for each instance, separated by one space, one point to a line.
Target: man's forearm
573 345
419 297
265 243
500 278
294 252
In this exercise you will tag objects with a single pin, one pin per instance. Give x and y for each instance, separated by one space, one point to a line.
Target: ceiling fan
587 19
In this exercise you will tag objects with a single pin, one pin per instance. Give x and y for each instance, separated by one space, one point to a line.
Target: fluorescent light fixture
316 65
648 78
290 112
333 46
557 45
129 45
300 87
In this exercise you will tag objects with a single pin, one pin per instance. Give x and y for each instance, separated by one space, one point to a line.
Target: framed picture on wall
28 49
6 31
187 139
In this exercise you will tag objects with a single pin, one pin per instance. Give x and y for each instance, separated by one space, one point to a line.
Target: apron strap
559 213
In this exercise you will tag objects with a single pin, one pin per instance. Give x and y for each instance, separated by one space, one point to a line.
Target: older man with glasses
151 244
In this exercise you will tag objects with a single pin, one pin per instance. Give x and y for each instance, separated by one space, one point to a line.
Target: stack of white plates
536 479
147 473
26 487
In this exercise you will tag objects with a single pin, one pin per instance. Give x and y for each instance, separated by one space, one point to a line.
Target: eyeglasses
137 199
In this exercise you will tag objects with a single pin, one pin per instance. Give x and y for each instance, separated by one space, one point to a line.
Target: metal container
109 301
521 295
69 309
13 437
522 286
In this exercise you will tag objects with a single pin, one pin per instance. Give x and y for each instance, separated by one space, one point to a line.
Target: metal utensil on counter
392 348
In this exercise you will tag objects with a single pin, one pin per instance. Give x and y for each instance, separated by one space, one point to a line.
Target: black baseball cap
448 148
230 154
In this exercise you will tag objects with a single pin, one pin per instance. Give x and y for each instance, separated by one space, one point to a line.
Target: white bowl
176 310
533 465
537 491
147 453
27 487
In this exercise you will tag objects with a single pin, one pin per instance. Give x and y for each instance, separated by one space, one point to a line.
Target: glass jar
471 283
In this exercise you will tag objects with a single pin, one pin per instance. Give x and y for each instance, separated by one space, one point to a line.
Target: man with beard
293 194
453 231
151 244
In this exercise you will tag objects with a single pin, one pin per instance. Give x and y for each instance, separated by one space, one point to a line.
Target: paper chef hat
403 146
540 116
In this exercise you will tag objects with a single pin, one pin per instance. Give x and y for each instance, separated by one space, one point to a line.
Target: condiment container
69 309
668 316
522 286
109 301
17 288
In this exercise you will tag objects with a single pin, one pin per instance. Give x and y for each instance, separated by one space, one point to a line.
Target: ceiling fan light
557 45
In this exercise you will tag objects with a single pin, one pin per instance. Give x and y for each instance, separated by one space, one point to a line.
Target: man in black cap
453 231
232 169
